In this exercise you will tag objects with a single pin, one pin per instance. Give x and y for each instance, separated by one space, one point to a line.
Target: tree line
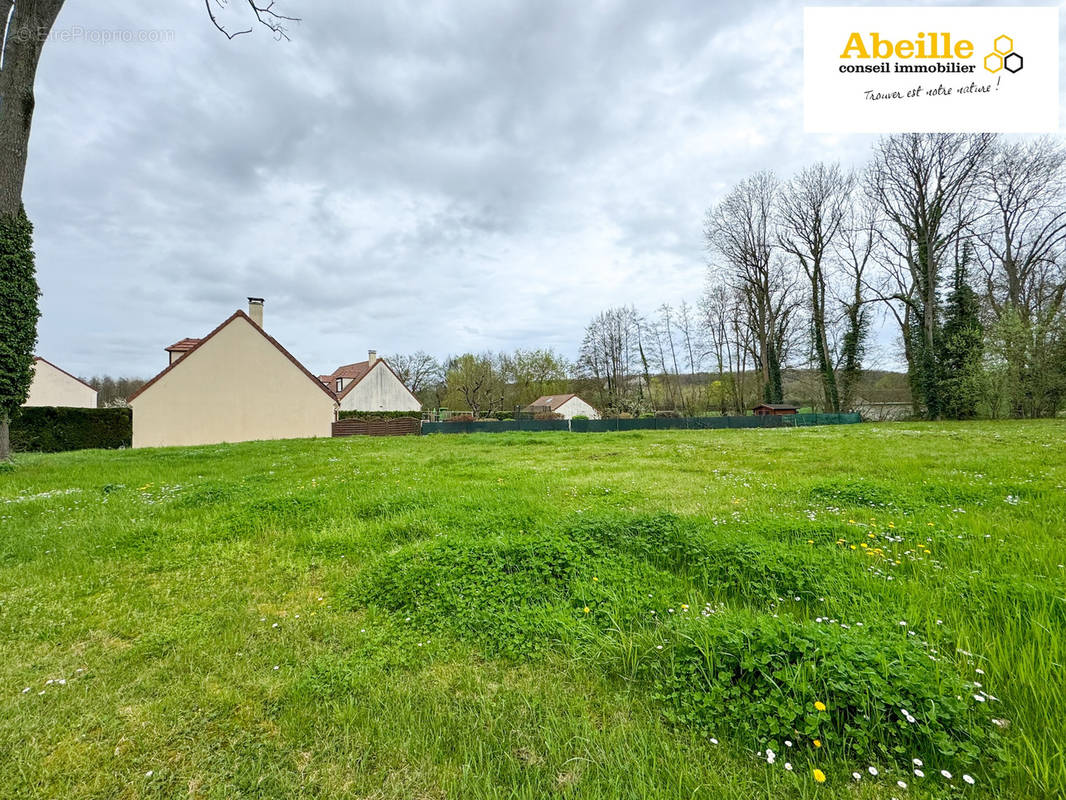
959 238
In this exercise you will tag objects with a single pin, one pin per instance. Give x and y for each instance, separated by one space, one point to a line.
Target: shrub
580 417
504 593
666 415
51 429
759 677
379 414
461 418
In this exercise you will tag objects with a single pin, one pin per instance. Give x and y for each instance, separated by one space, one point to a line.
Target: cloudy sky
446 176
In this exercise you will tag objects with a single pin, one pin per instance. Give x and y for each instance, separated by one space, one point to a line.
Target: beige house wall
574 407
236 387
53 387
380 390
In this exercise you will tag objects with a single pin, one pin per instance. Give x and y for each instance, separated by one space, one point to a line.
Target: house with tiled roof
566 406
236 384
370 385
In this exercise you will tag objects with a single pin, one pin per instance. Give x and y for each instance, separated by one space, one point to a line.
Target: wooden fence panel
401 426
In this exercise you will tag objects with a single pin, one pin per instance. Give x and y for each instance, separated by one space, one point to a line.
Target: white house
237 384
370 385
566 405
53 386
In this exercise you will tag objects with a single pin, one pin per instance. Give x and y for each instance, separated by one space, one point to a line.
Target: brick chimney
255 310
372 357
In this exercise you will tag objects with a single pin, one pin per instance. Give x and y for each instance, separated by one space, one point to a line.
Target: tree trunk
5 439
29 28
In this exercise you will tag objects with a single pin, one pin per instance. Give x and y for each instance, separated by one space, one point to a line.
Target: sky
444 176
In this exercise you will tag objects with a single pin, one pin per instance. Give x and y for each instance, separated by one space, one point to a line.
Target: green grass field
541 615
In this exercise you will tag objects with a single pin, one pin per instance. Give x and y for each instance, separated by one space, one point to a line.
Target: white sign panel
932 68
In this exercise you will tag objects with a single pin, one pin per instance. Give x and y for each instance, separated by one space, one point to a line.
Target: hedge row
379 414
51 429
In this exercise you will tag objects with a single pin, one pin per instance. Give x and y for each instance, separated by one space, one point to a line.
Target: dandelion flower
819 776
817 742
968 779
595 580
819 706
586 609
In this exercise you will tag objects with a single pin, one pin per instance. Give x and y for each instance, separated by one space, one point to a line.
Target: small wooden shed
774 409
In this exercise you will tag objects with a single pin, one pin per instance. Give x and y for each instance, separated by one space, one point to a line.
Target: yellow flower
819 706
596 580
586 609
819 776
817 742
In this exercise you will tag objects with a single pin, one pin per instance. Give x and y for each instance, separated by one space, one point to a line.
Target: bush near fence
577 425
378 414
55 429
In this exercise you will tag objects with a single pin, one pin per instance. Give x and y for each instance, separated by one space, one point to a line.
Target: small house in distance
370 385
237 384
53 386
774 409
567 406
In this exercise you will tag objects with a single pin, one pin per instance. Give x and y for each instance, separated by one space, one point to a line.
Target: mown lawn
541 615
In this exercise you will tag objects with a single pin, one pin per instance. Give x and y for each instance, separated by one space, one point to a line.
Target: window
340 384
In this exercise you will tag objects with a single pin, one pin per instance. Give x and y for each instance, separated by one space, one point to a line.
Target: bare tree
418 370
812 208
741 231
856 252
613 355
1022 252
926 187
723 317
477 380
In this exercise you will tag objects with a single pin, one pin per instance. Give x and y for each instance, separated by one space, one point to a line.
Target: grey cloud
402 175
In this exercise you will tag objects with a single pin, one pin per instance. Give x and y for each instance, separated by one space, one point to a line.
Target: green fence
657 423
502 426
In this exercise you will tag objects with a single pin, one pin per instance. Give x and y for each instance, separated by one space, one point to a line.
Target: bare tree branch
265 15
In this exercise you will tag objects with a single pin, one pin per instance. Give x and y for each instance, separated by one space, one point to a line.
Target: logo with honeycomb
1004 56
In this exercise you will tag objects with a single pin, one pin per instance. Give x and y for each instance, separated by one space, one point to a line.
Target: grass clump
863 693
507 593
